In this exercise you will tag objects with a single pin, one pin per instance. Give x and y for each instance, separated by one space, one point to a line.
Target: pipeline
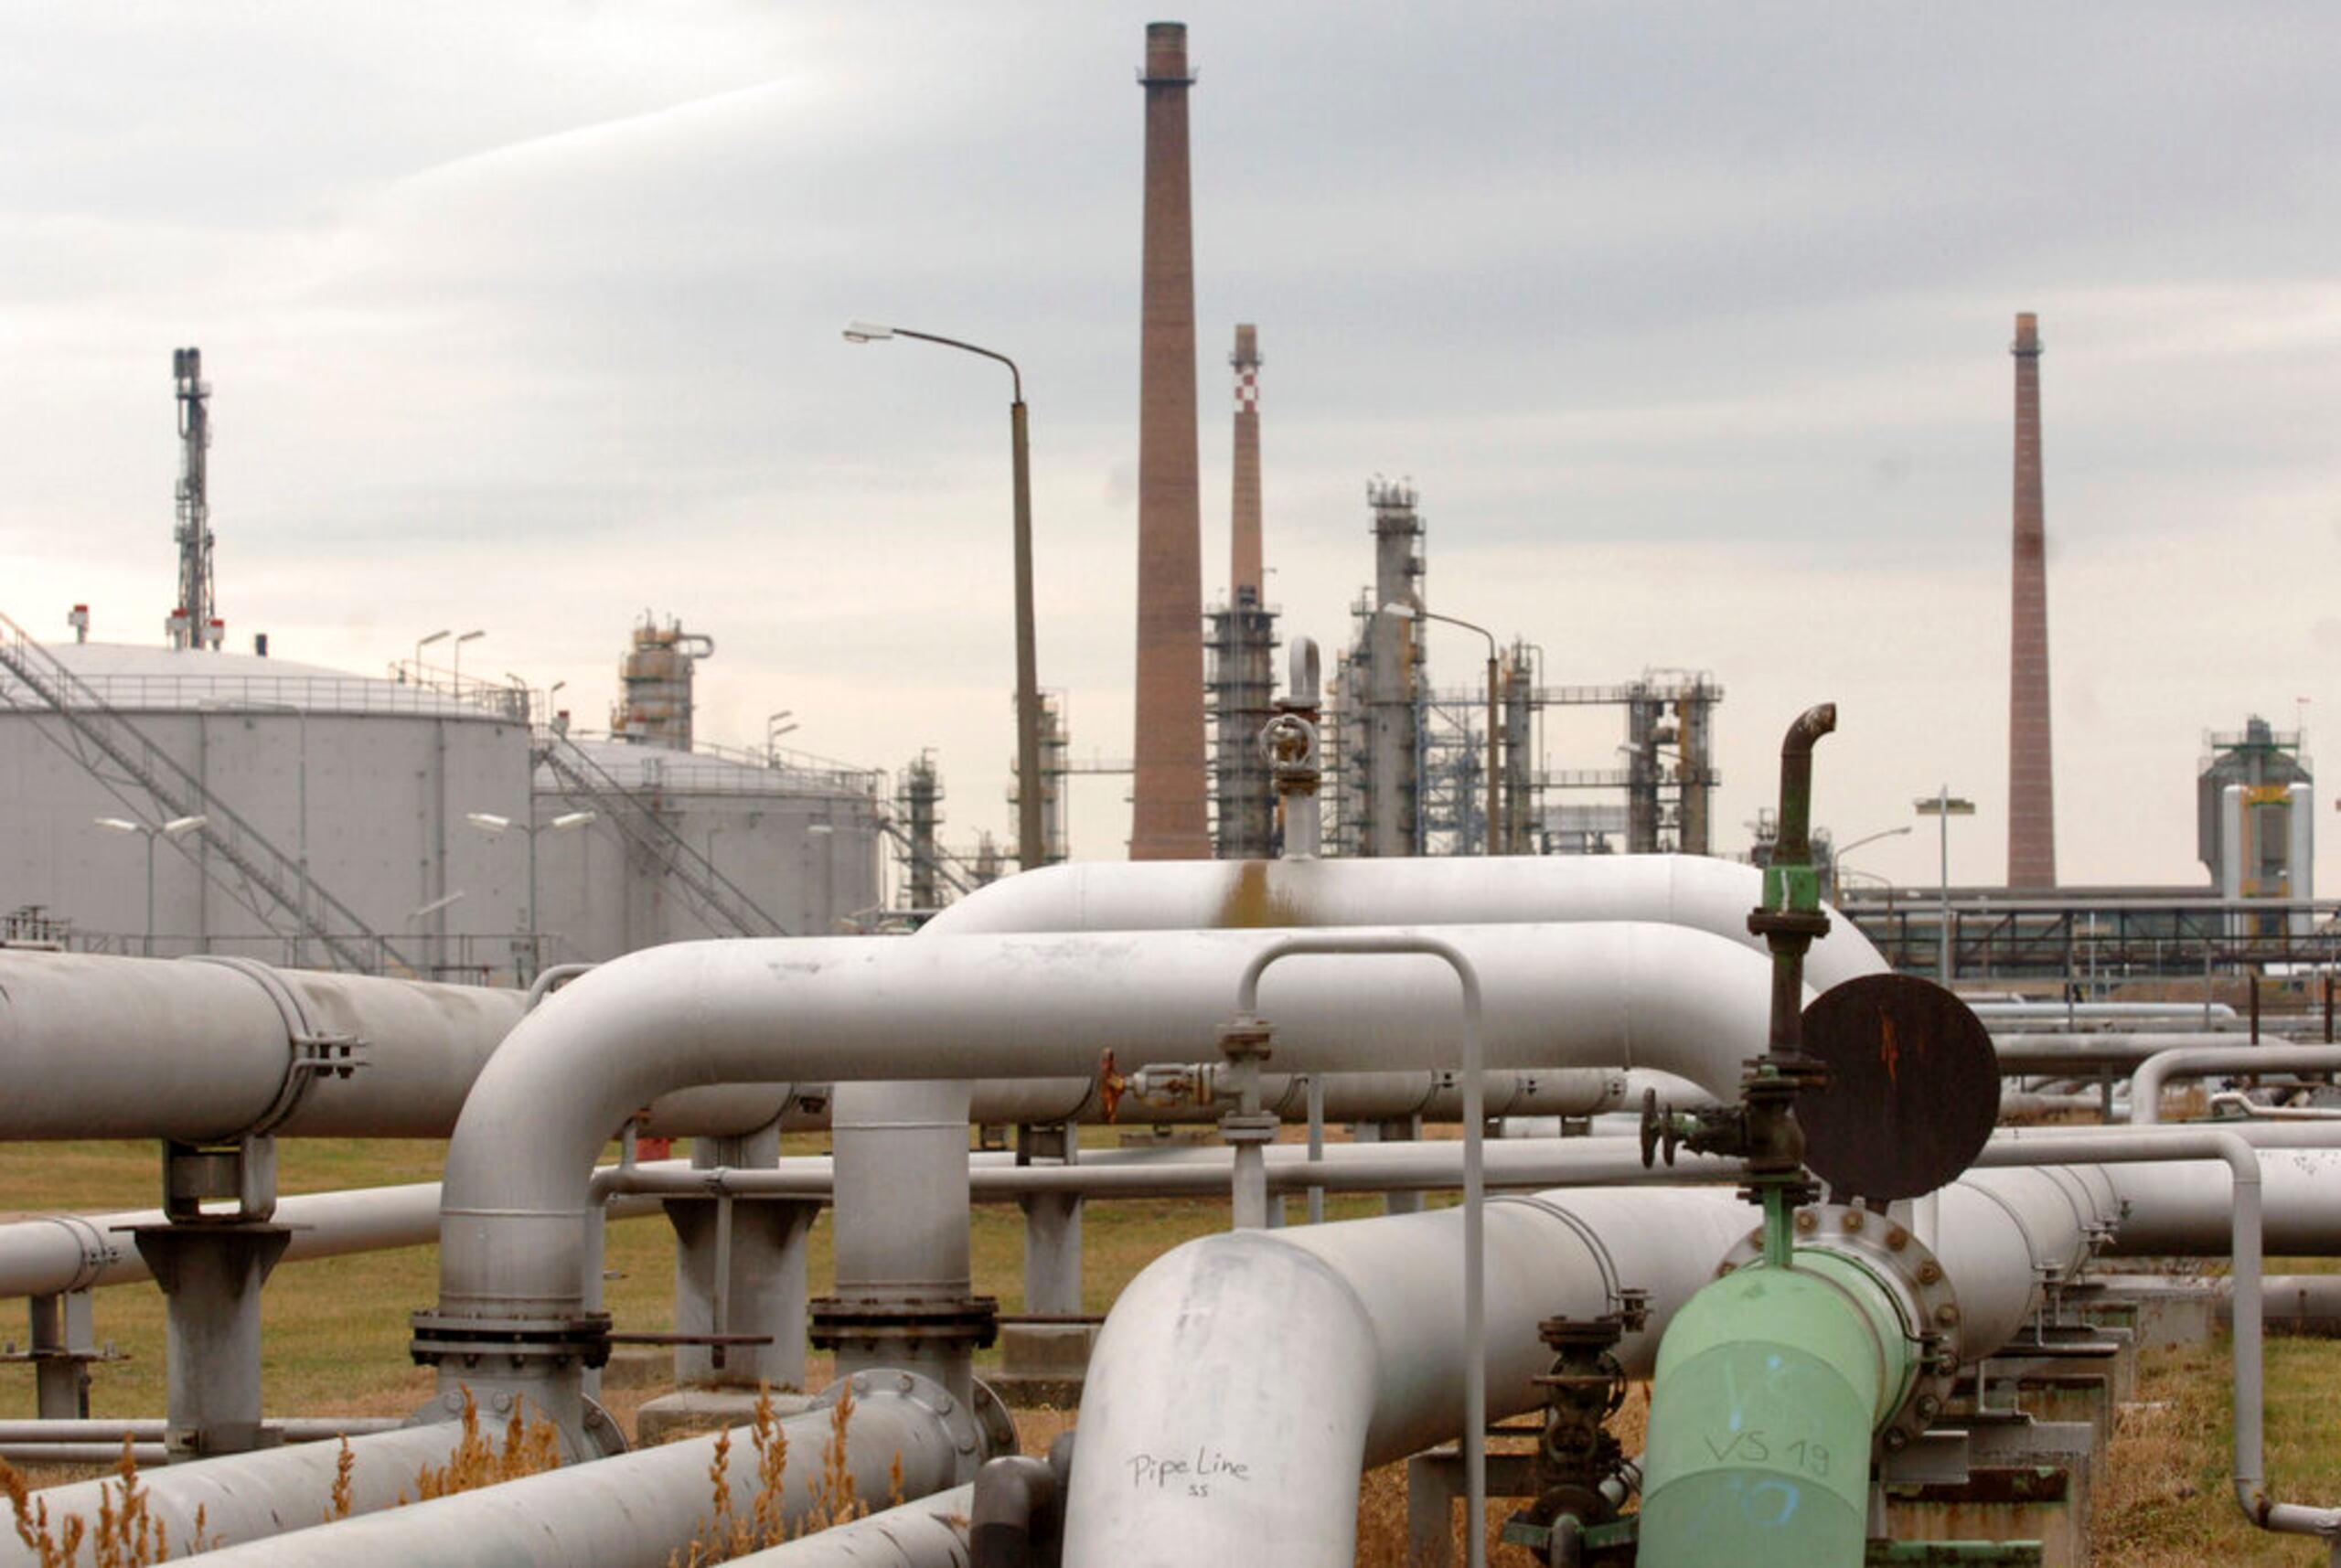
2203 1061
259 1494
1691 890
1244 1381
929 1533
637 1510
518 1172
50 1255
1239 1355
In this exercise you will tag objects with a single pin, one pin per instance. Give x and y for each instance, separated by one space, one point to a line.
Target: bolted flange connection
1911 1278
980 1427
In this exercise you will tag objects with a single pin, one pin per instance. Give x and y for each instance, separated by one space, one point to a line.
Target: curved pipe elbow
1014 1520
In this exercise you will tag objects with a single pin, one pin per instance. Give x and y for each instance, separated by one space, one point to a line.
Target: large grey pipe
929 1533
637 1510
1691 890
211 1052
844 1008
253 1496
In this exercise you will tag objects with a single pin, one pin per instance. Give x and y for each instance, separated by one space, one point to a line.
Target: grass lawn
335 1336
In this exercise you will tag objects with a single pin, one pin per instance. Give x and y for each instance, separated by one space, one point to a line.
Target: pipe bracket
313 1053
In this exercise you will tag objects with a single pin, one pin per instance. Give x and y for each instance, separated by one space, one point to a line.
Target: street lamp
466 638
1029 849
1944 806
422 643
177 828
1409 613
774 729
1837 854
492 825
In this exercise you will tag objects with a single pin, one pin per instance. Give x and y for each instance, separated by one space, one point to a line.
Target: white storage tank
362 784
788 845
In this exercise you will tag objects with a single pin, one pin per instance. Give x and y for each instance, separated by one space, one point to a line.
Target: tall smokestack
2031 799
1167 789
1244 533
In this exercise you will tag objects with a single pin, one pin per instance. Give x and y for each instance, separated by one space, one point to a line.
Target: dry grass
528 1448
730 1531
125 1535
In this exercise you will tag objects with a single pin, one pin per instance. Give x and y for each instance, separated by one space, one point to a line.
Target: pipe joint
980 1426
311 1053
1854 1246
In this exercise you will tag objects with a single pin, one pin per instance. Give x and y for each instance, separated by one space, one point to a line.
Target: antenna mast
195 623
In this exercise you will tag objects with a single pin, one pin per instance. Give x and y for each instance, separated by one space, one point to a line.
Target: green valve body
1769 1384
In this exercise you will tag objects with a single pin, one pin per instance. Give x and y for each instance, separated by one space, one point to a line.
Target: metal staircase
717 898
266 880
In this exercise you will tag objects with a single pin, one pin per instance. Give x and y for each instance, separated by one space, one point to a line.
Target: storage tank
362 784
685 845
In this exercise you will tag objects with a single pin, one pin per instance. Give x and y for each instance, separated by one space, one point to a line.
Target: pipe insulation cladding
666 1018
642 1509
1691 890
210 1047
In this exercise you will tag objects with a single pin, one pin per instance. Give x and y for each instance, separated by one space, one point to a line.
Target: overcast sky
1689 321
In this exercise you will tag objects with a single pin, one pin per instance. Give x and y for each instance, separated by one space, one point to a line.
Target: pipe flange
439 1337
1914 1280
310 1053
833 1321
980 1428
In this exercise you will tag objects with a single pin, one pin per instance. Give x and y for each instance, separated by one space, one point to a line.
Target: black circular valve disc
1912 1092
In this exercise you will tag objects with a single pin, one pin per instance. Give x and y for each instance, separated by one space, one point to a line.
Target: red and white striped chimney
1243 522
1168 786
2032 797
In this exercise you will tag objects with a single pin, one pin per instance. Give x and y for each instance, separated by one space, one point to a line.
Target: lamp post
1837 854
422 643
1031 849
492 825
175 829
1409 613
776 726
1943 805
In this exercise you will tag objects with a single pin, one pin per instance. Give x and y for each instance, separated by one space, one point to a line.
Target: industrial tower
1242 642
2032 803
194 621
1167 793
1378 696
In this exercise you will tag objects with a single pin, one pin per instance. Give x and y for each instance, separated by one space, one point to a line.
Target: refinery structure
1868 1200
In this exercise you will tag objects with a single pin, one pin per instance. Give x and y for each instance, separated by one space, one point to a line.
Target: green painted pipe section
1769 1384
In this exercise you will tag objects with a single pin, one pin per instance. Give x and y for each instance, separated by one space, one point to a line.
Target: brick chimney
2032 797
1168 787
